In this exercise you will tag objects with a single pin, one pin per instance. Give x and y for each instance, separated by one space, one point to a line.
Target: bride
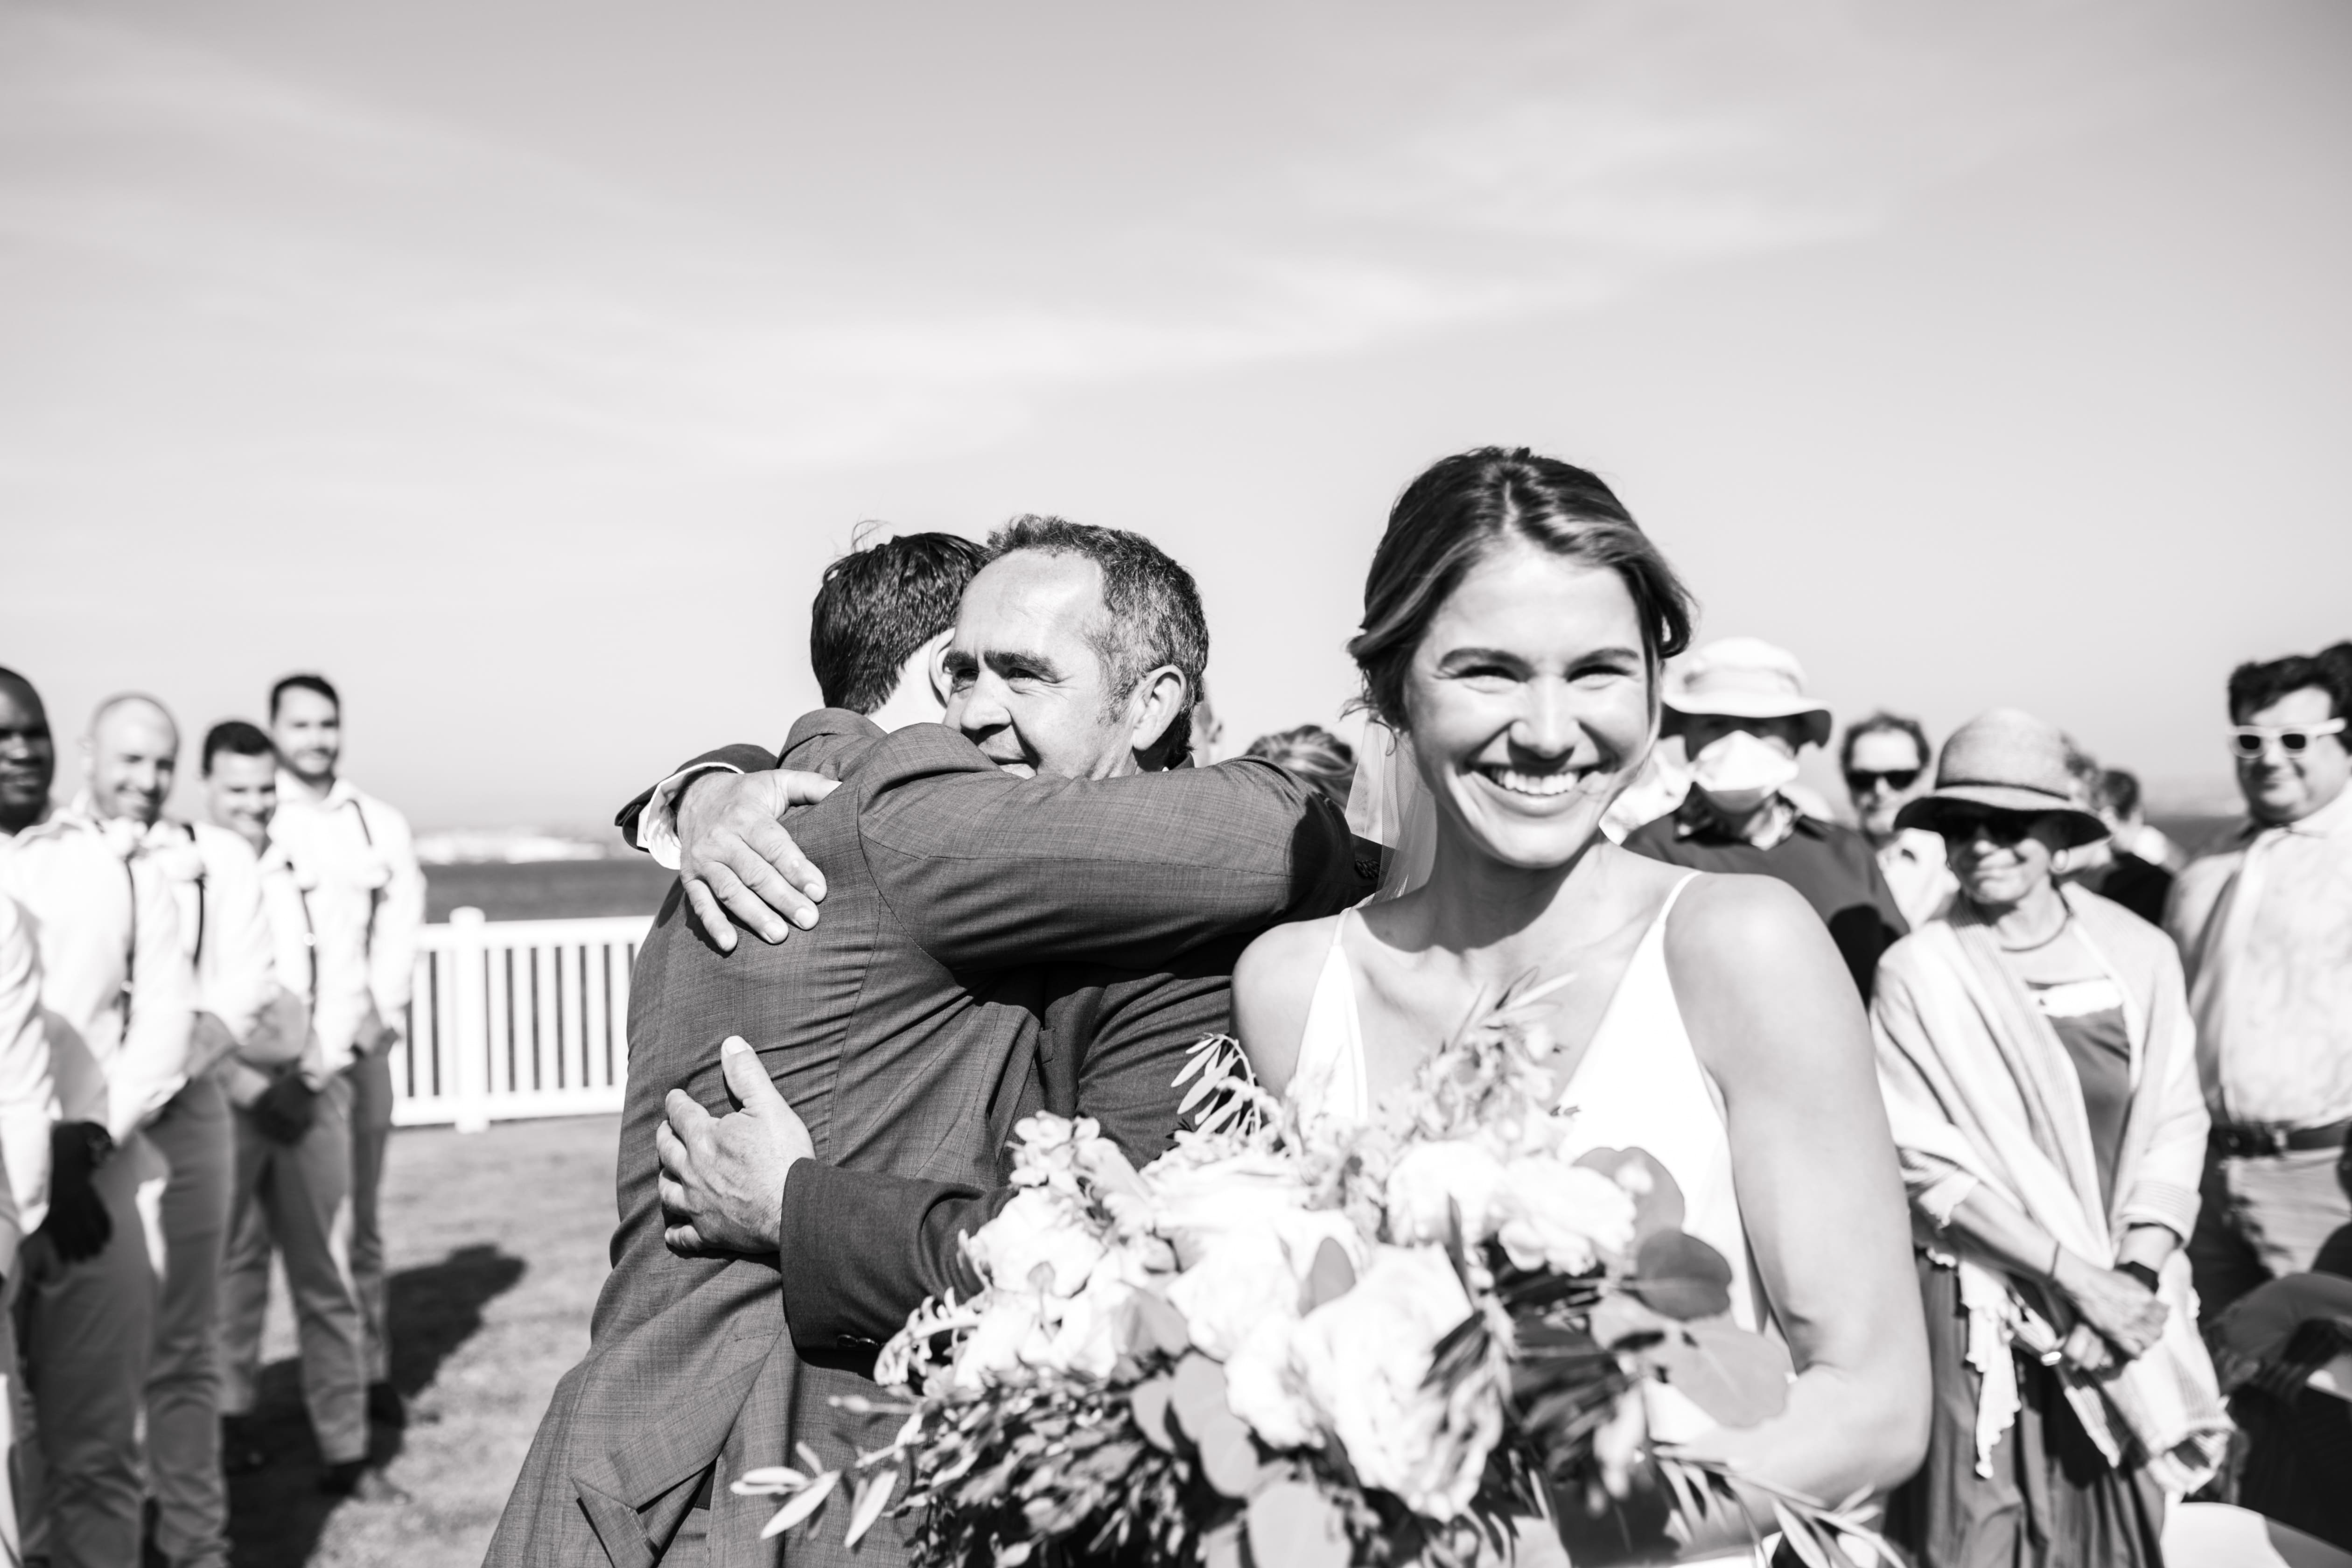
1515 620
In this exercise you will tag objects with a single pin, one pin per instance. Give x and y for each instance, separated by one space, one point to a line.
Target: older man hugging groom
1035 905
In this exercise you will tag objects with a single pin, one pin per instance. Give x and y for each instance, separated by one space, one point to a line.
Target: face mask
1742 771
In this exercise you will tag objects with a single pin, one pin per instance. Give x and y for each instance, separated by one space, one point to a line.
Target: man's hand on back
735 858
722 1181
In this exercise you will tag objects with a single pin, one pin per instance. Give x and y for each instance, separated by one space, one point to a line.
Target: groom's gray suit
967 911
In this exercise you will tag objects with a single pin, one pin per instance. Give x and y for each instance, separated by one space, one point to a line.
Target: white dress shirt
28 1097
355 860
2265 929
117 995
215 883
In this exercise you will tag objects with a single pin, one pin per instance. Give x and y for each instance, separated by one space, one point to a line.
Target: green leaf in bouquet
1148 1404
1624 1323
1681 1276
1329 1278
874 1495
1152 1323
1657 1197
1292 1525
1229 1458
1198 1394
1736 1376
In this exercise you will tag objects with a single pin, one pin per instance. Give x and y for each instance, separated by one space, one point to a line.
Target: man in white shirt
2265 931
28 1104
364 861
117 999
293 1145
131 755
1884 759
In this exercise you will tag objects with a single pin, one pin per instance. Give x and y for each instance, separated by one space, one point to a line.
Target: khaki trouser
2262 1217
88 1329
195 1137
371 1078
299 1197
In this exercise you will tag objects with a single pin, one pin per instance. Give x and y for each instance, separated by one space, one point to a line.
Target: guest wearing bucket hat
2040 1070
1741 710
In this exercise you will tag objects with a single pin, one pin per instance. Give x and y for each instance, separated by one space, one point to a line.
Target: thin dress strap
1330 1079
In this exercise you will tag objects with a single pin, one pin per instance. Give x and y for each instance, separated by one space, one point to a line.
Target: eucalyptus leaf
1681 1276
1737 1377
1293 1525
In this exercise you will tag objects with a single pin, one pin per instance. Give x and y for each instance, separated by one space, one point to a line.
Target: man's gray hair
1155 616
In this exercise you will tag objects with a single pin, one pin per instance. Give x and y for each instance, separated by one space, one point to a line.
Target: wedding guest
1740 708
132 754
2116 869
28 1104
1315 754
2266 927
2040 1072
878 632
293 1174
116 1001
364 861
1884 760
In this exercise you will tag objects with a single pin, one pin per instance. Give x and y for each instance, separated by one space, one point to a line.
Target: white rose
1362 1360
1561 1216
1431 1181
1243 1277
992 1349
1192 1205
1084 1338
1039 1228
1264 1389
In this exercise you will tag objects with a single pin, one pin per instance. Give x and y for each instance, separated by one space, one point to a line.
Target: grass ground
497 1249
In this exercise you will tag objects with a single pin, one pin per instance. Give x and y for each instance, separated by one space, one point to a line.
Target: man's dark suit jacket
989 945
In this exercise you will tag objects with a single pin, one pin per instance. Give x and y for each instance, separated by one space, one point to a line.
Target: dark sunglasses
1862 780
2002 828
2251 740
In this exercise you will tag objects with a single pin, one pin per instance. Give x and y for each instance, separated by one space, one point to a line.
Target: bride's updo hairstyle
1464 506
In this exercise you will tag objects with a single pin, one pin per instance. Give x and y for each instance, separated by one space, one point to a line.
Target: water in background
559 889
546 889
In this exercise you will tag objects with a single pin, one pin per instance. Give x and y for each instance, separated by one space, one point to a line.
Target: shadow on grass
277 1514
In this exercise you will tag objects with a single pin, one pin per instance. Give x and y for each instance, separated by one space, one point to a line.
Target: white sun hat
1745 677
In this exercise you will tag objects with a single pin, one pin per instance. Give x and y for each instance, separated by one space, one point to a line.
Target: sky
519 364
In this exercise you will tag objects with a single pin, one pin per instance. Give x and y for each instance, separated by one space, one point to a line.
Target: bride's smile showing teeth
1518 783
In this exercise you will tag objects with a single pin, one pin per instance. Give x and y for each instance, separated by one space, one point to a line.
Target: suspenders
196 957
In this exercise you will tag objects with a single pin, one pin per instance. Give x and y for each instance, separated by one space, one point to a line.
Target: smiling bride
1516 624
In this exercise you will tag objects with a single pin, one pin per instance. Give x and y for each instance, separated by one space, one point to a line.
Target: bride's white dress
1640 1086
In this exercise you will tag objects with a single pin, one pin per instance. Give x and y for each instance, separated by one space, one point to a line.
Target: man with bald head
116 1007
132 760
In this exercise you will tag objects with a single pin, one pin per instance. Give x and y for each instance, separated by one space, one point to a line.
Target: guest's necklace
2064 922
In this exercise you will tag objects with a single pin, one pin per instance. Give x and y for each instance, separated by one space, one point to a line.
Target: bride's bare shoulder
1757 975
1274 987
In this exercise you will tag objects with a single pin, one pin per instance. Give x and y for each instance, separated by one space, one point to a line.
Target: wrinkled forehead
1032 601
2304 705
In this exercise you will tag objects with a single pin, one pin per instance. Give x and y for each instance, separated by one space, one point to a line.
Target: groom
1031 913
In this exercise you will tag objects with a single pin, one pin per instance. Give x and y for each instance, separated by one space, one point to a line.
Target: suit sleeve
987 869
862 1249
650 821
905 1237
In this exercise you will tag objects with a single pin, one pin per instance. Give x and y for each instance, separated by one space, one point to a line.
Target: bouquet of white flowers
1304 1344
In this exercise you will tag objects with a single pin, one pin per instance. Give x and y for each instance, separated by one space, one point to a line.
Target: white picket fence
516 1019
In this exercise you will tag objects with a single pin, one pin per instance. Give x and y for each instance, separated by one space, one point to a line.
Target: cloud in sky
237 264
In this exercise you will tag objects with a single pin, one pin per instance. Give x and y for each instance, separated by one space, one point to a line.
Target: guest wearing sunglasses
1884 760
2265 928
2039 1071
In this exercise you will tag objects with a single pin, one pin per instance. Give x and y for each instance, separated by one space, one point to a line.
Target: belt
2243 1143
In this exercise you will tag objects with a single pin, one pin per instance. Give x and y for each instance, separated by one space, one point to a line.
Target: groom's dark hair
878 604
1155 616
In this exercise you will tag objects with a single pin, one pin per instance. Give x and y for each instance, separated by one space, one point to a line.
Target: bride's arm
1775 1018
1273 981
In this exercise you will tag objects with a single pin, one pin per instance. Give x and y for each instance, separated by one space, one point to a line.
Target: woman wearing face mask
1741 710
1516 624
2040 1070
